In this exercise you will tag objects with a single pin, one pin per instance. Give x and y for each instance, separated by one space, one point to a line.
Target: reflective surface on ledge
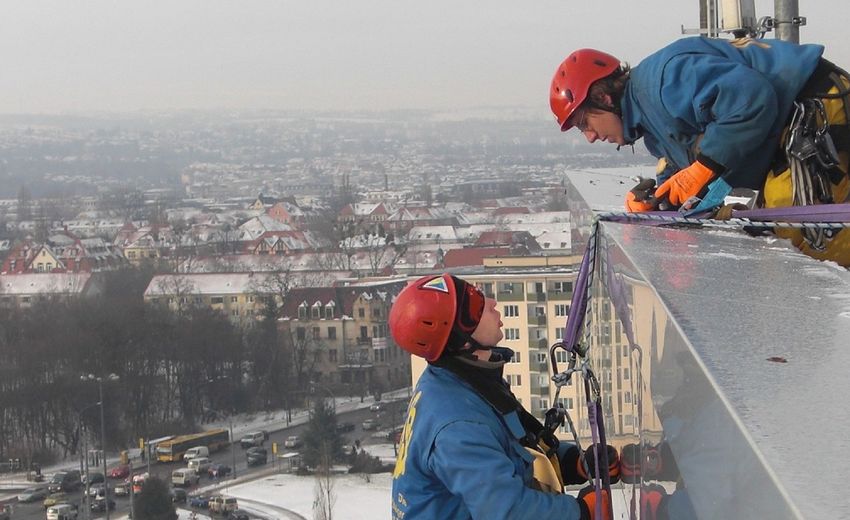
740 370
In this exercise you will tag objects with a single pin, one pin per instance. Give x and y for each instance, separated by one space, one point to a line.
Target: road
392 415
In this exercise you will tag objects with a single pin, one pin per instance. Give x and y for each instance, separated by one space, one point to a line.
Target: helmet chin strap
498 355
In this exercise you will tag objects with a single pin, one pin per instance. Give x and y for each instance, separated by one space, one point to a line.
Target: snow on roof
432 233
555 240
35 283
208 283
260 224
542 217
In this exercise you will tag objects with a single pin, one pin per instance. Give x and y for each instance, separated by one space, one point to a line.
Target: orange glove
639 198
685 183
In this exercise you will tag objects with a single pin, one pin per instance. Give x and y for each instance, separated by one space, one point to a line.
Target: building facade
343 333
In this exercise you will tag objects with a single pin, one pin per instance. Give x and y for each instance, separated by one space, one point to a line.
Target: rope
730 223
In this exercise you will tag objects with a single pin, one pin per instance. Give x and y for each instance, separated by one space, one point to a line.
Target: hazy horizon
98 56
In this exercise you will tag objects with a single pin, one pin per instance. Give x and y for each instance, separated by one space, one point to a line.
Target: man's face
489 330
599 125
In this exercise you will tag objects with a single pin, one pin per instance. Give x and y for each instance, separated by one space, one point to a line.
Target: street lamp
100 380
230 422
84 454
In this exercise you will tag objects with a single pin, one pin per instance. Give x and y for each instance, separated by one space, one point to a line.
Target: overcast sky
78 55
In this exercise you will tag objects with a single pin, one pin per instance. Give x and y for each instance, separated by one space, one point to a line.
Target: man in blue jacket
464 451
717 109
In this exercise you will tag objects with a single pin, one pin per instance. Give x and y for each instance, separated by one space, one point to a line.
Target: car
55 498
62 512
33 494
120 471
196 451
178 496
96 489
253 439
184 477
344 427
218 470
199 502
102 504
238 514
293 441
370 424
378 407
122 489
94 478
199 464
256 456
69 480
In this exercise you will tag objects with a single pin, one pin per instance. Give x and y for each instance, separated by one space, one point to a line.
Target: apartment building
342 331
25 290
237 295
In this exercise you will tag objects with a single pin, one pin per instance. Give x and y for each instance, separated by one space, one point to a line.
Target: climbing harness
813 161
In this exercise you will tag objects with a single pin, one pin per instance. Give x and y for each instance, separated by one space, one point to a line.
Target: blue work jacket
459 458
727 101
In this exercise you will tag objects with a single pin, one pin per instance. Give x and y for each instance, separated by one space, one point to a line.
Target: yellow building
236 295
533 295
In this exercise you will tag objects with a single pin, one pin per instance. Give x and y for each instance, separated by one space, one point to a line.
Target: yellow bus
174 448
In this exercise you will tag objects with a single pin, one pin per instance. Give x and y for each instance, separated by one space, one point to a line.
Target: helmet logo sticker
436 284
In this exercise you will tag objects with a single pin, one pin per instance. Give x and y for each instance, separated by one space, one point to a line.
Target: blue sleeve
468 458
732 105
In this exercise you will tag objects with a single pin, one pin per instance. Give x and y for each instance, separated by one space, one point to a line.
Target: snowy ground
290 497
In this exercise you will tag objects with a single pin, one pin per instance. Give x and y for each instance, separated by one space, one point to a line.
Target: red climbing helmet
427 310
572 81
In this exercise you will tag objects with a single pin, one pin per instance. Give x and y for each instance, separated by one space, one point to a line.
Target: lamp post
230 422
100 380
85 455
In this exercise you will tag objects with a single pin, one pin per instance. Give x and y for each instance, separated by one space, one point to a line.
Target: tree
154 502
323 444
325 497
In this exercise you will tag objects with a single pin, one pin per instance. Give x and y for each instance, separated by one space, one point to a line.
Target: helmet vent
600 63
569 95
429 323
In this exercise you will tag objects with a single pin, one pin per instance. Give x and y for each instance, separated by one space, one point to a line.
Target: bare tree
325 496
179 288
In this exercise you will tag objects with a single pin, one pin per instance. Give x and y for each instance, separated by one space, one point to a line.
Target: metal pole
784 11
86 496
132 492
232 451
103 444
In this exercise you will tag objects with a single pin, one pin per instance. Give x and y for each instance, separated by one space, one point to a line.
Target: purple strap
594 435
578 304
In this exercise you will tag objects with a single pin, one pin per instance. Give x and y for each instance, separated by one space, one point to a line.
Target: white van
184 477
61 512
197 451
199 464
252 439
